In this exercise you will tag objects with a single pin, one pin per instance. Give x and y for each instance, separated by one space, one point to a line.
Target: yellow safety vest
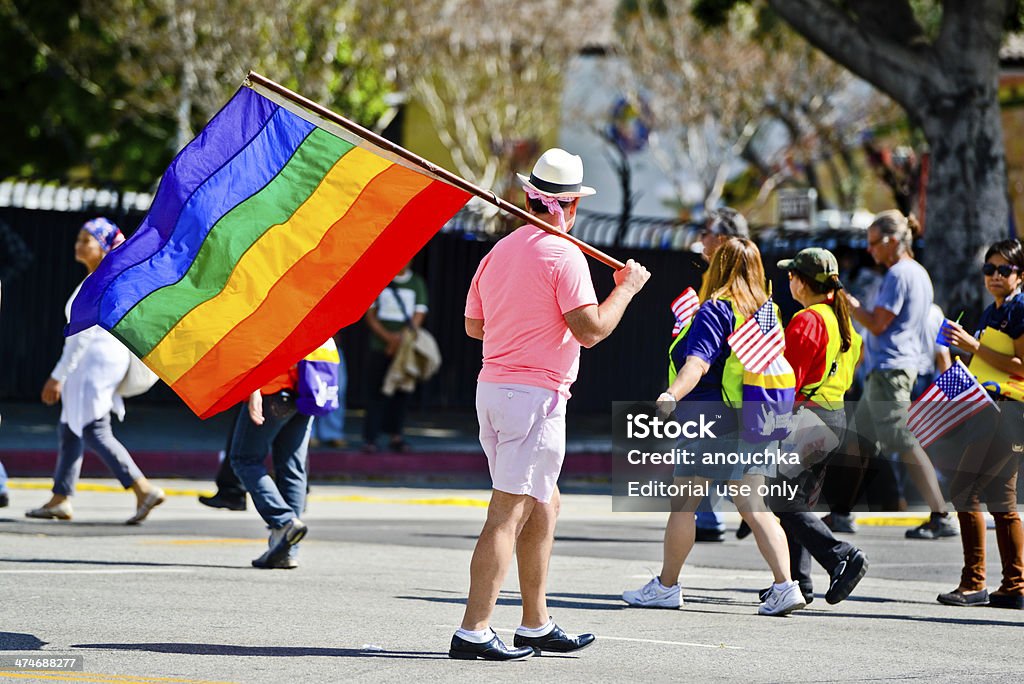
828 392
732 375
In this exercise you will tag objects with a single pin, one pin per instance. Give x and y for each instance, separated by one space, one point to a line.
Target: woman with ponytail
823 349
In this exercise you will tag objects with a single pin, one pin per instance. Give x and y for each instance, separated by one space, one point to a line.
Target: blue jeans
3 479
287 438
99 438
332 426
707 517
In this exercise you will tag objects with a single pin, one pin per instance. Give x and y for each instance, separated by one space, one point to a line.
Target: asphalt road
382 582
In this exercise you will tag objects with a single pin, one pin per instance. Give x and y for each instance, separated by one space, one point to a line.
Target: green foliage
98 90
743 189
1015 19
63 121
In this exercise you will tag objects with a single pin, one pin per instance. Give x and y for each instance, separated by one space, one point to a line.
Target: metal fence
595 228
630 364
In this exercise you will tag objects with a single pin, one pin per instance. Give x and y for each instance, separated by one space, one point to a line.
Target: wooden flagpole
433 169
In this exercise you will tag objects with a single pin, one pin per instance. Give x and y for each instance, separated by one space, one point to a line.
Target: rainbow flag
269 232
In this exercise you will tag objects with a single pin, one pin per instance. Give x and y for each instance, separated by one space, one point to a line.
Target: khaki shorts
522 431
882 411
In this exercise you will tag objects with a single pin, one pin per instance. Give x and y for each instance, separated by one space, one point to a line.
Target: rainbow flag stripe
269 232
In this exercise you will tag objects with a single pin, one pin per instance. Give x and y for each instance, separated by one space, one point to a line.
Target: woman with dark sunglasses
988 469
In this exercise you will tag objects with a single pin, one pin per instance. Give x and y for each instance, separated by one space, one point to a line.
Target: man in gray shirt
897 319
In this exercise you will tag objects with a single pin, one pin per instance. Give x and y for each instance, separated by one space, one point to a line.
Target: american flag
955 396
759 341
684 308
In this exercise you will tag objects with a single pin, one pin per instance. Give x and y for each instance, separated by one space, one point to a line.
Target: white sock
536 631
662 585
481 636
784 585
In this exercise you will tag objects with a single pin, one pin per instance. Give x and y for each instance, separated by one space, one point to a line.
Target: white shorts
522 431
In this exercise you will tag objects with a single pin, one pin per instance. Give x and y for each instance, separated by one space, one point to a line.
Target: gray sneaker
936 528
843 524
265 563
281 541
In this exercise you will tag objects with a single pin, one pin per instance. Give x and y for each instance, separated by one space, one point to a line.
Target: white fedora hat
558 174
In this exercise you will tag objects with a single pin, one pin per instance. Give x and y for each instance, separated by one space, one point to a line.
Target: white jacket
90 368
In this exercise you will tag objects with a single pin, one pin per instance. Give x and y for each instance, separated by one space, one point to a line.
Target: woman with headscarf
85 382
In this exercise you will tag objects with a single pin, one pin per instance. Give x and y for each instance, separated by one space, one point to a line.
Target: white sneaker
654 595
782 601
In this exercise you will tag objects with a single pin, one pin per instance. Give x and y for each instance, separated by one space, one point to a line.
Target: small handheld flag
684 308
760 339
955 396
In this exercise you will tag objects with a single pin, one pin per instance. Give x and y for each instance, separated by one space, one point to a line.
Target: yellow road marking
893 521
61 676
342 498
441 501
104 488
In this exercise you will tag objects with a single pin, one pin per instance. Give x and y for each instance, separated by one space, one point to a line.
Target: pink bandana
554 207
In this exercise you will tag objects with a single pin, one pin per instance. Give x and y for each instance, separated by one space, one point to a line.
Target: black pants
808 537
383 413
228 484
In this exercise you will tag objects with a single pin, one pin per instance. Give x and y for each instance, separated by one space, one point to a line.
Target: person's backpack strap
401 304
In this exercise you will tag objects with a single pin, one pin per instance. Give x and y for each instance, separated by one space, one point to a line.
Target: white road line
671 643
98 571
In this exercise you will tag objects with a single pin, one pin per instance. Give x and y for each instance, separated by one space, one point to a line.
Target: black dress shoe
495 649
5 501
709 534
556 641
218 500
998 599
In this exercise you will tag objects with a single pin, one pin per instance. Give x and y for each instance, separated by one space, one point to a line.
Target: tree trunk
966 207
626 186
948 86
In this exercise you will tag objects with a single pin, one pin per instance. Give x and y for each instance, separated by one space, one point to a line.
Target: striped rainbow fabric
269 232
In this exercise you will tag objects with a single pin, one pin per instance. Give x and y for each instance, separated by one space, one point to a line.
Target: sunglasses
1004 270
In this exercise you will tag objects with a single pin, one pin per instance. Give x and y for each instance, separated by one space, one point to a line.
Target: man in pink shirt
532 303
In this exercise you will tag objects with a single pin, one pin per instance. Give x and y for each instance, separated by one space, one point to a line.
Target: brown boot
1010 538
972 537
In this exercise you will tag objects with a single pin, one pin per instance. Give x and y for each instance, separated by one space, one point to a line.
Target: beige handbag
138 380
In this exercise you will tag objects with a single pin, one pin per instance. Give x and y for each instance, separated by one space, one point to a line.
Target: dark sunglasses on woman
1004 270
